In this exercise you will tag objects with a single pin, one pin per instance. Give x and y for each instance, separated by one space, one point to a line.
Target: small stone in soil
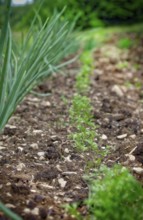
130 157
117 90
35 211
34 146
20 166
122 136
138 170
104 137
62 182
42 153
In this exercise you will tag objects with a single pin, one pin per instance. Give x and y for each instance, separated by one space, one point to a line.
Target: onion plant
42 48
9 213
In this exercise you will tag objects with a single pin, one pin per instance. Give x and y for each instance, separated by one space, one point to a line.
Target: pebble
20 149
10 206
44 185
62 182
104 137
41 158
2 148
37 131
66 150
58 167
26 210
118 91
8 184
69 173
41 154
9 194
54 137
131 157
68 158
122 136
35 211
46 104
133 136
56 143
33 99
10 126
138 170
20 166
34 146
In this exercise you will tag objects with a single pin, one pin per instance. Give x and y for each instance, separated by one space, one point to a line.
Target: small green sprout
125 43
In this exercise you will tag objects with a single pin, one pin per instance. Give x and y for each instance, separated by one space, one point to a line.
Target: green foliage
115 194
72 210
90 44
9 213
138 84
81 119
82 80
120 11
25 66
86 58
80 111
90 13
93 13
84 140
123 65
125 43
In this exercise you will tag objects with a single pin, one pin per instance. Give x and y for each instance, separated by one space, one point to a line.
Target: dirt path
39 168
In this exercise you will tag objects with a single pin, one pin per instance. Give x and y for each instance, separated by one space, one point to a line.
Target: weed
125 43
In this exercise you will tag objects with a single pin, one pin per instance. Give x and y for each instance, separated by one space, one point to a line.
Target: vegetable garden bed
41 170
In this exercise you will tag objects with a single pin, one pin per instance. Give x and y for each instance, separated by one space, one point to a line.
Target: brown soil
39 168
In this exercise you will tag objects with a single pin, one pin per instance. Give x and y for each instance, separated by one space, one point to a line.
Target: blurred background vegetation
90 13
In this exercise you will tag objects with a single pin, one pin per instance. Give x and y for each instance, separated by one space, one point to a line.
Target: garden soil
40 170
